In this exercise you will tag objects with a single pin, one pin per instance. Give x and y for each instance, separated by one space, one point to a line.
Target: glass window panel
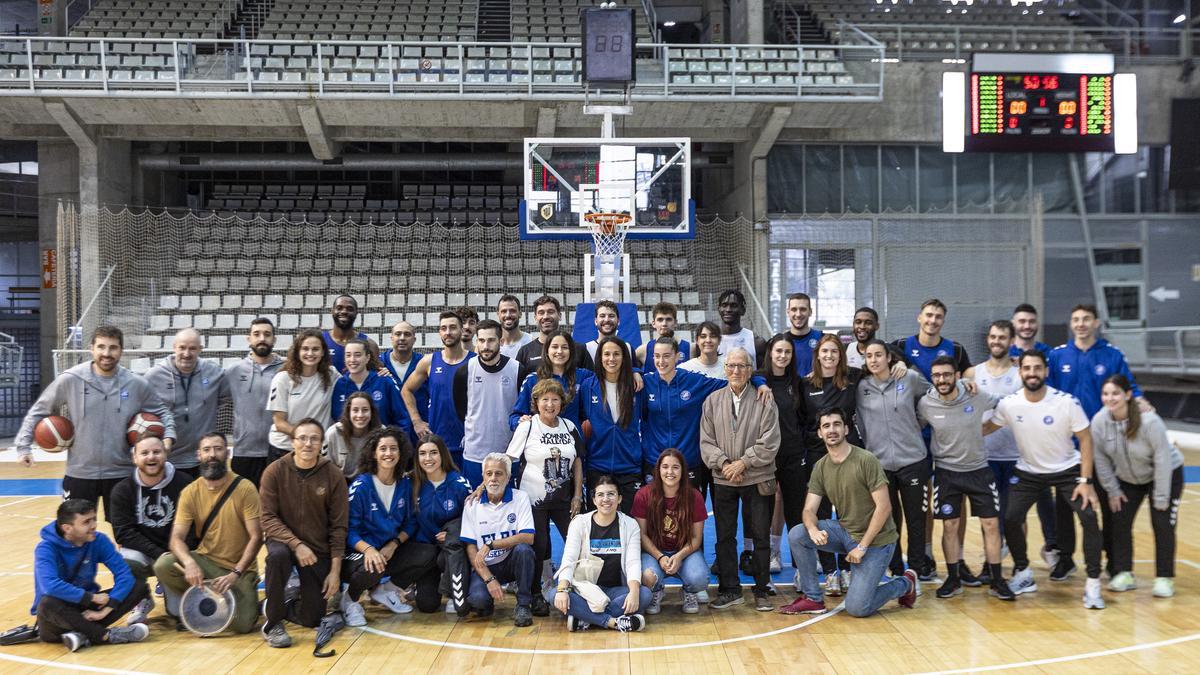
898 173
937 188
1011 176
785 176
974 182
862 178
1052 177
823 179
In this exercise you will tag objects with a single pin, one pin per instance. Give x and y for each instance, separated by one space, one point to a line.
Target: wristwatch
238 571
1083 481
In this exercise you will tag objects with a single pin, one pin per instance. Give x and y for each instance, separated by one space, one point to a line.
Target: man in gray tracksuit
961 468
100 396
250 385
193 388
887 416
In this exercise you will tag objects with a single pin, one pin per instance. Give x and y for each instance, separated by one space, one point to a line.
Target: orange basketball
586 429
54 433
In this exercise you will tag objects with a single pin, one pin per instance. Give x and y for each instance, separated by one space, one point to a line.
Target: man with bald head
401 361
193 389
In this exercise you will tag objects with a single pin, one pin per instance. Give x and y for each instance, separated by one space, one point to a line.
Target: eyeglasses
737 366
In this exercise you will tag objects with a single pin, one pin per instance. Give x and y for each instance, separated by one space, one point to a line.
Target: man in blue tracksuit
1025 327
68 602
674 401
1081 366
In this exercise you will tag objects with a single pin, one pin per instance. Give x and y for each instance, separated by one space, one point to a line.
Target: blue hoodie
671 413
384 392
422 394
439 505
1082 373
55 558
524 404
369 521
611 449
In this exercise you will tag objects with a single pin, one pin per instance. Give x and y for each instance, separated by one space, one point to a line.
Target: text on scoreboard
1039 112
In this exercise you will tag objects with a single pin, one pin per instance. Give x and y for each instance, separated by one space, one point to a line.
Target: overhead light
1180 19
668 24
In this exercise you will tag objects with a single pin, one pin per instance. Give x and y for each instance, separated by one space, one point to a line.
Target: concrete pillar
746 22
105 179
718 23
58 180
51 17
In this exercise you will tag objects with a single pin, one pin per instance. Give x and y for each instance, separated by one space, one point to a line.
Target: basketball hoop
608 231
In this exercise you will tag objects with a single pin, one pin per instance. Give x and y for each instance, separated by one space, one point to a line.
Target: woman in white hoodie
604 545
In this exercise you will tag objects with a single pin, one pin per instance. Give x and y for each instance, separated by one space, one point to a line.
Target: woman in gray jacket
1134 460
887 417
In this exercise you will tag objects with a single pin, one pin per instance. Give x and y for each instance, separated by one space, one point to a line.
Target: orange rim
607 220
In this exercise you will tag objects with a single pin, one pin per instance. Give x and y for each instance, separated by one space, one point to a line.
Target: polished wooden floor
1137 633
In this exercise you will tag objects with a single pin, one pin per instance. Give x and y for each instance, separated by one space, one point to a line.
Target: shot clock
608 45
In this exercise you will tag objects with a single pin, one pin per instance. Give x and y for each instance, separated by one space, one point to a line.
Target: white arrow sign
1163 294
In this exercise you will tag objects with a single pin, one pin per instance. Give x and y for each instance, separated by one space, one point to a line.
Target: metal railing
12 356
652 19
143 67
1181 356
911 41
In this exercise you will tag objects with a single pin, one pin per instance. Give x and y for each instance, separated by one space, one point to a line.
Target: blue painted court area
30 487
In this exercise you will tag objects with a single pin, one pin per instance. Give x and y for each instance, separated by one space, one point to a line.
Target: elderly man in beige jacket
739 437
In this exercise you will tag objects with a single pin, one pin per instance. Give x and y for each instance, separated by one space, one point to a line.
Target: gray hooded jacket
887 417
193 399
1148 457
250 385
100 409
957 439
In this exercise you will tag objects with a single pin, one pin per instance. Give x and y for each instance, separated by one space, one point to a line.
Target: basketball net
608 238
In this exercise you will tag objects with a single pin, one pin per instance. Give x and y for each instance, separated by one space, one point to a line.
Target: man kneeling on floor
216 536
864 533
69 605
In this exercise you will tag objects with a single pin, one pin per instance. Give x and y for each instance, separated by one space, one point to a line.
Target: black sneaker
985 576
727 599
951 588
967 577
630 623
746 563
1064 570
523 617
485 612
462 609
540 607
999 589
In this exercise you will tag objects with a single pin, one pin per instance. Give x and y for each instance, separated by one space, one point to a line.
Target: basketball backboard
648 178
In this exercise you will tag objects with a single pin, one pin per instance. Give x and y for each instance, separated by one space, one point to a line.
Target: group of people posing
415 479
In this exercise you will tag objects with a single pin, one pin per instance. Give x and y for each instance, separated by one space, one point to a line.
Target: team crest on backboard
546 211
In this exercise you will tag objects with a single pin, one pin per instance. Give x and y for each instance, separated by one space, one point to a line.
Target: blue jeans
693 572
518 566
616 605
866 595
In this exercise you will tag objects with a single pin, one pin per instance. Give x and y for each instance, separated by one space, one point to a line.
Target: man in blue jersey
401 361
344 313
438 370
666 316
921 349
497 531
803 337
608 319
1025 326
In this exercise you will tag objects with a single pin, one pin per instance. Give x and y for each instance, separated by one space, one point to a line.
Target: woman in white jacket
606 546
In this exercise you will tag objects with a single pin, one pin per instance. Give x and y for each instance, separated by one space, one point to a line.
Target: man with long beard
249 387
221 511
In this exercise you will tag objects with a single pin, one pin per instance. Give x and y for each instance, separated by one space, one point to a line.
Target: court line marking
1073 657
627 650
27 499
67 666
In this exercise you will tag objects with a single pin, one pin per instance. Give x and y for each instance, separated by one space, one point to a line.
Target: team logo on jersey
124 394
941 352
1008 380
900 387
1048 420
812 344
969 409
1066 367
320 491
651 398
478 379
916 353
437 370
947 509
512 518
377 395
546 211
505 380
156 514
1020 418
1013 480
1100 369
204 382
685 395
244 378
448 504
595 400
400 502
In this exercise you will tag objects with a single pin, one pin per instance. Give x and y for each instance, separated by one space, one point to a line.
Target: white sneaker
1164 587
1049 556
845 580
833 585
450 608
1022 582
1091 595
353 611
776 562
141 612
702 597
656 598
691 604
1124 581
391 600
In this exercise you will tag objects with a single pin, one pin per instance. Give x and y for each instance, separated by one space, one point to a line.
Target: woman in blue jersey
614 411
558 362
439 491
362 375
344 440
379 534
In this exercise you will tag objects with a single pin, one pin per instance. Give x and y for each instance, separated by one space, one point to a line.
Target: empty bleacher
416 203
701 67
207 19
935 28
81 61
419 20
558 20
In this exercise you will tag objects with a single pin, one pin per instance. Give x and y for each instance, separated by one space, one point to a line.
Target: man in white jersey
508 313
864 327
607 321
497 531
1043 420
485 390
731 305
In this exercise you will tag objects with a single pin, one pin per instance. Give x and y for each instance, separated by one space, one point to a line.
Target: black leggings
412 562
1162 522
908 488
542 517
55 617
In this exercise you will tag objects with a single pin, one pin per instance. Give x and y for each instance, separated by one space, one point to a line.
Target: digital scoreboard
1064 103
